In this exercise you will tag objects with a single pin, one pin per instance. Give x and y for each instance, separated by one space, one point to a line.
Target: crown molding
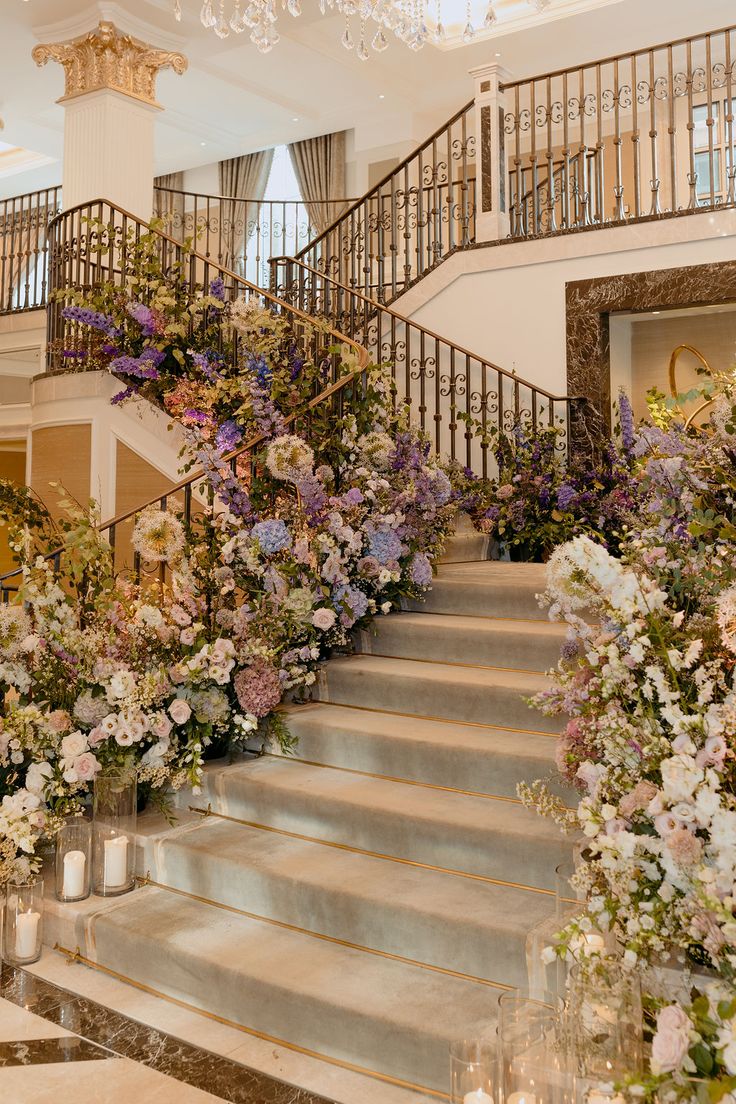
110 11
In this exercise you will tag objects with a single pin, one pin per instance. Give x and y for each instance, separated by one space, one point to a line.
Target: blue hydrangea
421 570
272 536
355 600
383 544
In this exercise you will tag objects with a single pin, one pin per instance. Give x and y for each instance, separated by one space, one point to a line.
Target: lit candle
116 861
26 933
477 1097
74 864
521 1098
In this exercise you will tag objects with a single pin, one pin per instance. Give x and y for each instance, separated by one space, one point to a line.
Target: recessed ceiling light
381 96
203 143
295 120
498 55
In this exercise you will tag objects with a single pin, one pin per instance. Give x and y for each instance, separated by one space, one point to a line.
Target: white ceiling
234 99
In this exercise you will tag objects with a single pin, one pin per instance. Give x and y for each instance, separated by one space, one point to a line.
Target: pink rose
505 491
323 619
671 1041
97 736
179 711
59 720
161 726
86 766
638 799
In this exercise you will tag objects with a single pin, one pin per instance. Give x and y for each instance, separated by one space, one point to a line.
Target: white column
108 151
492 202
110 106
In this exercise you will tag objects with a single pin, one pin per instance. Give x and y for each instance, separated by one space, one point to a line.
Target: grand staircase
368 899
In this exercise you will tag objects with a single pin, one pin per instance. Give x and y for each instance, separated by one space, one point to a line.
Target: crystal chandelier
375 20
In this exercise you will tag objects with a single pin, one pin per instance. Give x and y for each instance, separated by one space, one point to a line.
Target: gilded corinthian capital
107 58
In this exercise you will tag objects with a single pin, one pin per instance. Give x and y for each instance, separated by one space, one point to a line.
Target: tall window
283 225
721 160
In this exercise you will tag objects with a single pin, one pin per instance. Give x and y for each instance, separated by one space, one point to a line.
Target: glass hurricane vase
23 922
114 819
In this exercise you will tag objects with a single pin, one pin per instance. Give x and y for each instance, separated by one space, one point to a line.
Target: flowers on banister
646 680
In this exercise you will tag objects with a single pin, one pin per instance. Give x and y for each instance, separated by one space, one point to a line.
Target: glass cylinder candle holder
605 1022
114 818
475 1072
23 922
74 860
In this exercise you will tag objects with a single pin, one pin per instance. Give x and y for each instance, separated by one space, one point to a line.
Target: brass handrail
676 354
255 202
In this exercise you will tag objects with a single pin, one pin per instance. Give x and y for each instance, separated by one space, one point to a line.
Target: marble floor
62 1048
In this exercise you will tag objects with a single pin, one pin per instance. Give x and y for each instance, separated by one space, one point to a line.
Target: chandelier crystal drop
413 22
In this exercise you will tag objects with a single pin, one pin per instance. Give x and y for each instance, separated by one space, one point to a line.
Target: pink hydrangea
258 688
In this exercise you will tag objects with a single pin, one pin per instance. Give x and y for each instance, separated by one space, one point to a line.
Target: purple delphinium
626 418
121 396
94 319
229 436
144 366
224 483
217 288
565 496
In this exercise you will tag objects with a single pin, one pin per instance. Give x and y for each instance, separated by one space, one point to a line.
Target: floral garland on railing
647 680
304 542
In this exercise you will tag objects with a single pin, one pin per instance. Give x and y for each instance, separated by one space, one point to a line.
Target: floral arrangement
539 499
303 542
647 681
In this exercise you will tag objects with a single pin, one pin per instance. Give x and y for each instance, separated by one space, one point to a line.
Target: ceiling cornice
88 19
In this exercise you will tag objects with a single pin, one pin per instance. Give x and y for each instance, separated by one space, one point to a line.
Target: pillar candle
116 861
477 1097
26 933
74 868
522 1098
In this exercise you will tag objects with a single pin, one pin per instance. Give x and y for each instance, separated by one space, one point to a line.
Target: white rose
73 745
179 711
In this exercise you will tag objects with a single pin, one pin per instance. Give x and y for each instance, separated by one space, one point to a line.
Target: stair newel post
492 221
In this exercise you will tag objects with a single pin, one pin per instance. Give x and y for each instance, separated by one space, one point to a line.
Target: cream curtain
242 178
319 167
170 207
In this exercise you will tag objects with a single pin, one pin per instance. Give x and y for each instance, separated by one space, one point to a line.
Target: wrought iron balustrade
24 222
460 399
92 244
421 211
243 234
638 135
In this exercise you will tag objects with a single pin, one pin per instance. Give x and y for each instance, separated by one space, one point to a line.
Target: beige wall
61 454
12 467
654 338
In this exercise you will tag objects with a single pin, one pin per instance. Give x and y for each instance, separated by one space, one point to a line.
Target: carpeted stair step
477 758
490 589
495 837
459 924
494 642
488 696
382 1015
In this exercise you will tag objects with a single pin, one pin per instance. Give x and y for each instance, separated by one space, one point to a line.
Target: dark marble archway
589 304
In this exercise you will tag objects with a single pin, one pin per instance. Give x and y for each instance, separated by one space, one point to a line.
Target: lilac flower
121 396
197 416
272 536
94 319
228 436
224 483
202 361
144 316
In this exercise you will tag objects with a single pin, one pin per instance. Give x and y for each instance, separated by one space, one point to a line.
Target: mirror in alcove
642 344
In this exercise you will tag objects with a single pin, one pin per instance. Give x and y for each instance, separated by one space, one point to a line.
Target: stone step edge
76 956
145 881
440 720
400 859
